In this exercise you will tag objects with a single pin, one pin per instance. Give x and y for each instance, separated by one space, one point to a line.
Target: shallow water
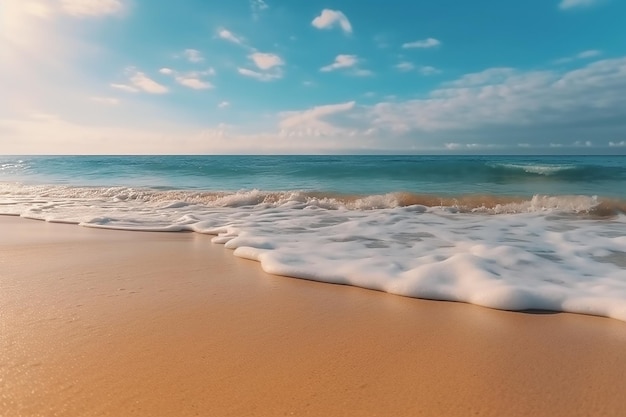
503 232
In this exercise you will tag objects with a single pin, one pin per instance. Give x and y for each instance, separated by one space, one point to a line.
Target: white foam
537 168
537 255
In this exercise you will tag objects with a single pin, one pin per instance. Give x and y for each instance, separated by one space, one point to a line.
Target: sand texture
109 323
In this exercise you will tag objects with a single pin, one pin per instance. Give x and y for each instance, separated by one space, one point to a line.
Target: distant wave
568 173
539 169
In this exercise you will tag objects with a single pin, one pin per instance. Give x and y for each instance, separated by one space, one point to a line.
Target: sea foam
547 252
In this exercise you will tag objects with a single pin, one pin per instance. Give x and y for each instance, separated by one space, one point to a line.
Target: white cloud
229 36
341 61
138 81
147 84
489 76
331 18
349 62
424 70
193 55
191 79
92 8
193 82
125 87
498 108
428 70
223 104
265 61
530 101
269 64
592 53
424 43
570 4
261 76
405 66
453 146
313 121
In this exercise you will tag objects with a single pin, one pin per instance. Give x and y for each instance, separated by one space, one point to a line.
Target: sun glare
22 21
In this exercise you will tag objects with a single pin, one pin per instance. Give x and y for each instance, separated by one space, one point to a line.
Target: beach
101 322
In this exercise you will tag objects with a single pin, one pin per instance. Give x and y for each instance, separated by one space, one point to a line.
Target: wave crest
15 194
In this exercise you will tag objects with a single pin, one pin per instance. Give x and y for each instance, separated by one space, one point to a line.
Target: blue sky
270 76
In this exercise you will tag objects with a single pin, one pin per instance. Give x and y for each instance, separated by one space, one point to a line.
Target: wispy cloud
261 76
490 76
405 66
139 81
147 84
229 36
591 53
193 82
191 79
92 8
571 4
193 55
428 70
349 63
125 87
313 121
269 65
423 44
223 104
331 18
257 6
341 61
453 146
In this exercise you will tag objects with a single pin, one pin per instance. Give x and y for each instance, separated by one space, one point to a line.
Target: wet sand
109 323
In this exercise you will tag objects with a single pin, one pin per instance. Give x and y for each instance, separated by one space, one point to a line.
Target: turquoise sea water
362 175
503 232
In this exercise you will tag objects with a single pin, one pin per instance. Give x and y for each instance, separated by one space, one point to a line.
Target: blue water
503 232
354 175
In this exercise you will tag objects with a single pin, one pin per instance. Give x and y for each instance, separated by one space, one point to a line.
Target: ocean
505 232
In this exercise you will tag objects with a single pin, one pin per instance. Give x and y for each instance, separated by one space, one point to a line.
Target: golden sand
109 323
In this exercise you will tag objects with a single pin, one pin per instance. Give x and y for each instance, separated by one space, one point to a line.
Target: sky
312 77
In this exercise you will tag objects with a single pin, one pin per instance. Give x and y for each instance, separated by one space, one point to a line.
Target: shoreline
102 322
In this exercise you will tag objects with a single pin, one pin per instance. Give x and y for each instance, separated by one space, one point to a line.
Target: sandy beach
110 323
